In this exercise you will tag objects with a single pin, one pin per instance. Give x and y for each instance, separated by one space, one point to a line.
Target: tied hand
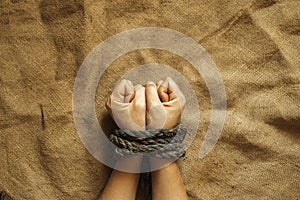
127 105
159 106
165 103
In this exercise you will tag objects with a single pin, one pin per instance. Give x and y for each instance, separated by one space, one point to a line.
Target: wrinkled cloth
255 44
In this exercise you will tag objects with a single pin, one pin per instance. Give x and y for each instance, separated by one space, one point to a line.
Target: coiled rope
163 143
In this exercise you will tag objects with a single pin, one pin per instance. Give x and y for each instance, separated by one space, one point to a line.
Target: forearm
123 185
167 184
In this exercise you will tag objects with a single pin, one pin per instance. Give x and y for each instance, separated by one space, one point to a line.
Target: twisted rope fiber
162 140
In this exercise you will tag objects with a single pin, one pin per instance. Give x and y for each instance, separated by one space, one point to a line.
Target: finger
138 106
152 97
158 83
108 105
162 91
123 92
139 99
156 115
129 92
173 89
170 88
175 92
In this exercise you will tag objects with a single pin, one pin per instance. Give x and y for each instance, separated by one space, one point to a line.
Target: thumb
152 97
138 107
139 101
156 115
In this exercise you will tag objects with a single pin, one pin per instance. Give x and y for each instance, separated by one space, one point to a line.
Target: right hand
165 103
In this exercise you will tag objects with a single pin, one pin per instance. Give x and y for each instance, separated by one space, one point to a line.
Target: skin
123 185
163 109
167 183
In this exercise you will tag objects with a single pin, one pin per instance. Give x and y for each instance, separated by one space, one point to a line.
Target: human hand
165 103
127 105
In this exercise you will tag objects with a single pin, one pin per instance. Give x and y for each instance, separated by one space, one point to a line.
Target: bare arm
127 106
167 184
166 98
122 185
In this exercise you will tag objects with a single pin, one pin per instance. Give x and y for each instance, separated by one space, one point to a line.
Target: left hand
127 105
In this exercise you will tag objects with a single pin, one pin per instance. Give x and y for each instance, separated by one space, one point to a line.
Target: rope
163 141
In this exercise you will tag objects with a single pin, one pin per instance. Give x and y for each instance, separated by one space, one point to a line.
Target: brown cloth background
255 44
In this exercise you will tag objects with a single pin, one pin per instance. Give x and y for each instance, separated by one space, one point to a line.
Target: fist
165 103
127 105
156 106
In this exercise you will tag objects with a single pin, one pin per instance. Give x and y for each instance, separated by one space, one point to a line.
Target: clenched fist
165 103
157 106
127 105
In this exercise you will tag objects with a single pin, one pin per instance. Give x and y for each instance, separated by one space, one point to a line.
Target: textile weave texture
255 44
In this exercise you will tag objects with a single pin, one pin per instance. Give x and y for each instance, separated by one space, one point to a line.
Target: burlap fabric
255 44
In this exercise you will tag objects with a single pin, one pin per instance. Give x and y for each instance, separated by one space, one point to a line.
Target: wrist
132 163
